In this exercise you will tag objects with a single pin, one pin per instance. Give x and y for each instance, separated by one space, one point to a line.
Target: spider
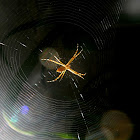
63 68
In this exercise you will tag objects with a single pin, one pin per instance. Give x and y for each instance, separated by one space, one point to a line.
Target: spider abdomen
60 69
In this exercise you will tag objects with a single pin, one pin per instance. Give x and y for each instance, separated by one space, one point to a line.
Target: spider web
31 31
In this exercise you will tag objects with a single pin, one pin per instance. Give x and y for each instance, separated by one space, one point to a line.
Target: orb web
37 30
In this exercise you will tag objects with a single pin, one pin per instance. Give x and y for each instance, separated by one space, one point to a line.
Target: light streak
2 44
22 44
27 133
35 84
43 75
78 136
83 56
40 50
81 96
75 85
50 73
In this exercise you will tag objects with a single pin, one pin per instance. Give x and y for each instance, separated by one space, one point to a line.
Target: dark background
127 53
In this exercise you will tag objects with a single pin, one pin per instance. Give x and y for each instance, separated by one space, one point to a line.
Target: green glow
65 136
30 133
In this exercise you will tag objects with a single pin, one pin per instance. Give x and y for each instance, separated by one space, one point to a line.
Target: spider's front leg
74 56
59 63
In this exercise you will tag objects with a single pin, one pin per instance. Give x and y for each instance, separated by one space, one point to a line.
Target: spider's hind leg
62 75
56 78
80 75
83 74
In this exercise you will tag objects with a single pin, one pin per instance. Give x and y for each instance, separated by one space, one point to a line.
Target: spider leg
56 78
74 56
76 73
62 75
78 53
56 62
76 50
57 59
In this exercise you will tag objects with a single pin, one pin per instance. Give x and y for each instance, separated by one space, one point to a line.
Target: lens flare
24 110
14 119
10 124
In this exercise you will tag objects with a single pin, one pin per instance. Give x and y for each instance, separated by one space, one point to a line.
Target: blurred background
103 106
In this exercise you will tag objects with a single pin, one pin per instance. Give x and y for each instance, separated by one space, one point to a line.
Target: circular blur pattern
118 123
